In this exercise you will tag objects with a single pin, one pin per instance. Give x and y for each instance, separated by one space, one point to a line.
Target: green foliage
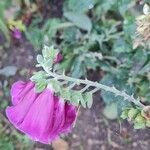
40 36
4 29
3 23
66 87
35 36
136 117
81 6
46 61
10 139
110 98
147 1
79 21
47 58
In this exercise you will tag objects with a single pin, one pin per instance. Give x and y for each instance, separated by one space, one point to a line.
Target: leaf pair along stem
97 86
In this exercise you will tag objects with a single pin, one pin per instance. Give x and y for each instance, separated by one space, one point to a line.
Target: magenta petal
42 116
19 90
70 116
17 113
65 116
39 125
17 87
59 115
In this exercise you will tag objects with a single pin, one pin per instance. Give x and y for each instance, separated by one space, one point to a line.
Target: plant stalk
98 86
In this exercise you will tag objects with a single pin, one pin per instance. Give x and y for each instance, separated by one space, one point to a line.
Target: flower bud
58 58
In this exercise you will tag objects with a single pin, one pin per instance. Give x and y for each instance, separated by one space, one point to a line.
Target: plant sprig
64 85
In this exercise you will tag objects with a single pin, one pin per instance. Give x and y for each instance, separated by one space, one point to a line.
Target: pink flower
58 58
16 33
42 116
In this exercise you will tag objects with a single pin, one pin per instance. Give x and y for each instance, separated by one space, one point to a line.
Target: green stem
98 86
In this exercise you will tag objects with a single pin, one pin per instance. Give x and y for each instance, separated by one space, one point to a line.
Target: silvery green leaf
38 76
74 98
46 51
82 100
40 85
65 93
132 113
139 125
49 52
124 114
56 85
39 59
88 97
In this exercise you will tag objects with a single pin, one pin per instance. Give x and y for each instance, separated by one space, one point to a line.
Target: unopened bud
58 58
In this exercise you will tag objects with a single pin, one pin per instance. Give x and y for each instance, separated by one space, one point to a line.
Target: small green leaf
48 63
121 46
139 119
74 98
80 20
38 76
35 36
110 111
40 86
39 59
50 27
124 114
88 97
139 126
132 113
49 52
65 93
82 101
56 85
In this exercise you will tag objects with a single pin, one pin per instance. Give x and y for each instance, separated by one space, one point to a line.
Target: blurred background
96 40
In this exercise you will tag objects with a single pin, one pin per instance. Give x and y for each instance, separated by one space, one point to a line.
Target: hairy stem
97 86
